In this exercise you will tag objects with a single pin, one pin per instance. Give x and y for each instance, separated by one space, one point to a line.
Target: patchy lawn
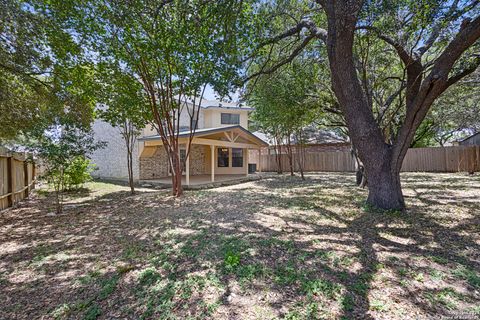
275 248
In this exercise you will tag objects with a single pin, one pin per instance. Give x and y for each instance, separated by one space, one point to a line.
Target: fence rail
434 159
17 178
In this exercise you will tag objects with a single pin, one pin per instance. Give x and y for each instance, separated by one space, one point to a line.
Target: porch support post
246 161
212 162
187 165
260 160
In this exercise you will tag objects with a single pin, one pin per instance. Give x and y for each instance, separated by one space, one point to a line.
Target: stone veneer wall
157 165
197 160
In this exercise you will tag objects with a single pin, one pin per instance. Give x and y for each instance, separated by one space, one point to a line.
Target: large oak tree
436 42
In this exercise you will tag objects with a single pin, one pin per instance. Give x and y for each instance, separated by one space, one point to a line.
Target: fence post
476 160
25 178
33 175
10 179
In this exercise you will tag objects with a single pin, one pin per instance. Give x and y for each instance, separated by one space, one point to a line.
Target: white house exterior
220 145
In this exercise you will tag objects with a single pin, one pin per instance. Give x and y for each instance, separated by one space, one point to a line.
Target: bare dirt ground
274 248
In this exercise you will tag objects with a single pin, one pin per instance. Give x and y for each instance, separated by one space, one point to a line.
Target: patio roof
209 131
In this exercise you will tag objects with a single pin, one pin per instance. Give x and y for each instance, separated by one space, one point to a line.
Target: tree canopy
42 72
430 46
172 49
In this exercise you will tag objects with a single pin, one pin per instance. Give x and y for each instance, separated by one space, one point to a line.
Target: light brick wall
157 165
111 162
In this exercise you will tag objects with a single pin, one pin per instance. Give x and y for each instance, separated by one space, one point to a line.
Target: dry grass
275 248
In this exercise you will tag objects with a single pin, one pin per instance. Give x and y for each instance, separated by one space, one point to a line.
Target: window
183 154
230 118
194 124
222 157
237 157
187 128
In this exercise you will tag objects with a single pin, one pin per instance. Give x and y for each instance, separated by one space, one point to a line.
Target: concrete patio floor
204 180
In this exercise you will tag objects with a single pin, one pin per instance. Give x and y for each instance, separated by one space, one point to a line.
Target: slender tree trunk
178 177
130 171
301 159
58 185
128 132
278 155
290 155
176 169
58 207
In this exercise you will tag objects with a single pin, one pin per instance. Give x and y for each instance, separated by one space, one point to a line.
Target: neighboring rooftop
469 137
313 137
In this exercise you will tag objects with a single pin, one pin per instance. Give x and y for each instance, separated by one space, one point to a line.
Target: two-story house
220 146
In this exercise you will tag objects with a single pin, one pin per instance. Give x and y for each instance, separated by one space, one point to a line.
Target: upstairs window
222 157
194 124
237 157
230 118
187 128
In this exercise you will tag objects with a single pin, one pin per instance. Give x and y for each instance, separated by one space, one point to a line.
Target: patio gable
231 136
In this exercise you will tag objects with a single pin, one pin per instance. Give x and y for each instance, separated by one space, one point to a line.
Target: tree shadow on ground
272 248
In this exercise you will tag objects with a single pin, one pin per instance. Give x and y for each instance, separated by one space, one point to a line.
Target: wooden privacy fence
443 159
17 178
435 159
338 161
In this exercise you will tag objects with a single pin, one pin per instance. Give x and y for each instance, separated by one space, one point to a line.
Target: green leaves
121 96
283 101
183 44
42 73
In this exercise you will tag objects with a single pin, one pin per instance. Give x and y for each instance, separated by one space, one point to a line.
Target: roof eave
214 130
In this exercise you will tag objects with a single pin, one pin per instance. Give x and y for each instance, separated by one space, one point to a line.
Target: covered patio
206 180
215 155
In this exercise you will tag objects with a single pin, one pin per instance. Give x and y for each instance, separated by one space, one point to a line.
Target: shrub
78 172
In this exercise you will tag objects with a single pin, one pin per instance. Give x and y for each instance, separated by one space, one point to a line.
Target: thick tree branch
453 14
401 50
435 84
283 62
314 33
457 77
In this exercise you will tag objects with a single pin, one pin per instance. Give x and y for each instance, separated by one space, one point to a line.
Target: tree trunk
359 176
290 155
130 167
177 189
130 172
377 156
300 152
301 160
382 161
278 155
384 189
